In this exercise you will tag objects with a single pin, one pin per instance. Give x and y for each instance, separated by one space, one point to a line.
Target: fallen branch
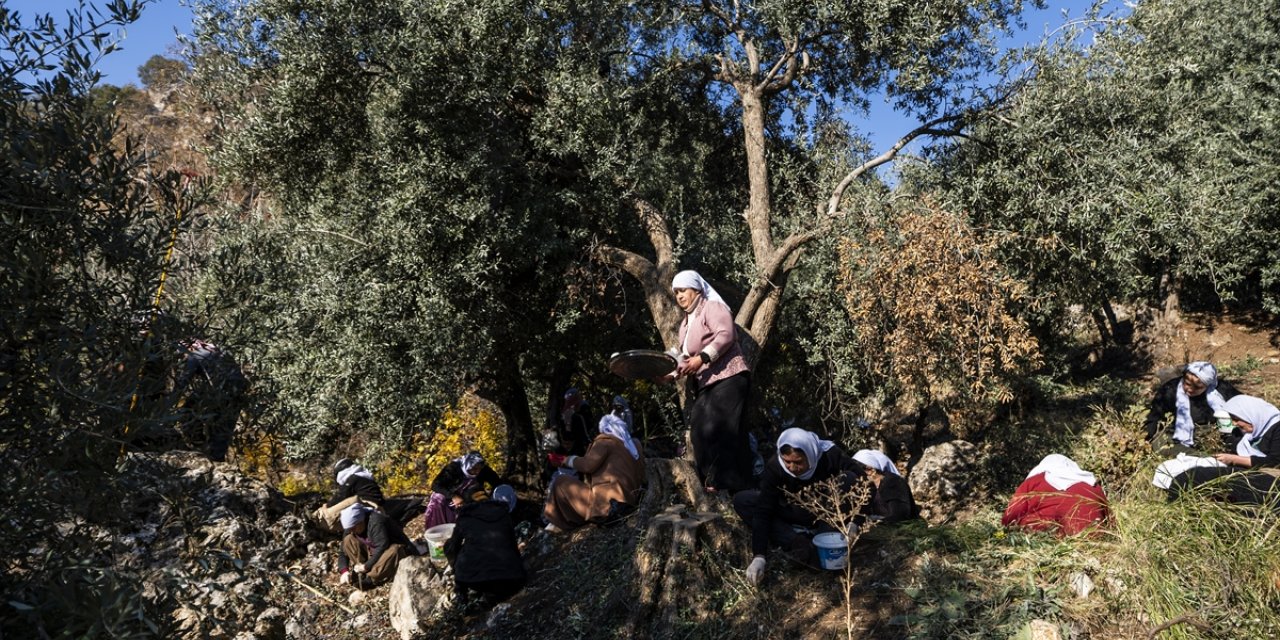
1192 619
319 593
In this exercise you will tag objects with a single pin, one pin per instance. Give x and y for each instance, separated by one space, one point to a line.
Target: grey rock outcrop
941 480
419 590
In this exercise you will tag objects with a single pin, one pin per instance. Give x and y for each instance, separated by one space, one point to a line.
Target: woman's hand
688 367
457 501
1233 459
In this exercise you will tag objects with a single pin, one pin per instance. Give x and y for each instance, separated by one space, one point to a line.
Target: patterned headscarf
612 425
471 463
809 443
1183 427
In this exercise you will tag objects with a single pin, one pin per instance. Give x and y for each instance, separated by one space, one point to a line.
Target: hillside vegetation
402 229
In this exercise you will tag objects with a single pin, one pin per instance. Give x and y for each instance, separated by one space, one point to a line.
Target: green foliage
1137 160
83 237
433 207
159 73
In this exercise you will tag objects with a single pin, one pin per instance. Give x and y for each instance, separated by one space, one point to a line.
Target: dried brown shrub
934 311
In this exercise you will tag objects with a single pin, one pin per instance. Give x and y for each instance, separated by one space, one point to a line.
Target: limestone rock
1082 584
1038 630
419 590
940 482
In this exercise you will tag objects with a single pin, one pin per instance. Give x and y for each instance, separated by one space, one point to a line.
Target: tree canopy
1137 161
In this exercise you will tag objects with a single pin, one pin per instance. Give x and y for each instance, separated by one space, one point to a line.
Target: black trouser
782 531
721 446
491 592
1238 487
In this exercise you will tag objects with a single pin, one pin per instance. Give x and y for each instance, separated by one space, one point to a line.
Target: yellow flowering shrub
257 454
296 484
469 425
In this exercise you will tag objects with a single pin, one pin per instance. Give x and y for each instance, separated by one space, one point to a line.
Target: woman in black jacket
483 550
891 499
1191 398
1251 472
454 483
802 461
355 484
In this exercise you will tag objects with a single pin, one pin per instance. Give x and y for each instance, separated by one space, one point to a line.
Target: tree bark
506 390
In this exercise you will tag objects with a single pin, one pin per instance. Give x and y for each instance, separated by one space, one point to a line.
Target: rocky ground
240 561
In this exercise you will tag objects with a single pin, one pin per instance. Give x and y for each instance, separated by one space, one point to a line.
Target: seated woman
891 499
611 475
483 550
1058 497
1256 440
458 479
1192 399
803 460
372 547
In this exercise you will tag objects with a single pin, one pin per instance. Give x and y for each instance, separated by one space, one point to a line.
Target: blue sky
155 33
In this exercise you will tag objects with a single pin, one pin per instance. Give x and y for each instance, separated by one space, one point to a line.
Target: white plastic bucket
436 537
833 551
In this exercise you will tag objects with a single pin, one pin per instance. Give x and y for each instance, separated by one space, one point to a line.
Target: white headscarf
876 460
347 472
469 463
1183 427
1061 472
806 441
353 514
692 280
1258 412
612 425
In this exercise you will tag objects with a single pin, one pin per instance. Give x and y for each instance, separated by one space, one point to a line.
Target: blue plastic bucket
833 551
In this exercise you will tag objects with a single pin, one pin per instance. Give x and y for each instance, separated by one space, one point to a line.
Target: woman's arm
723 333
448 480
595 456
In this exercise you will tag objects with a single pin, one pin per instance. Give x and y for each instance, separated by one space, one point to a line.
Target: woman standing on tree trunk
711 360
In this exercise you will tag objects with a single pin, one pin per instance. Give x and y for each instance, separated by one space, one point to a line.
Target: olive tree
1137 163
769 62
427 194
84 229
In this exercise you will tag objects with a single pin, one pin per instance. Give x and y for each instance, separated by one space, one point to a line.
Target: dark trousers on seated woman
721 446
1236 486
489 592
782 531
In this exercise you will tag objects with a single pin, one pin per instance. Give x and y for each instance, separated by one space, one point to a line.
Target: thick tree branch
928 128
795 61
786 59
775 267
655 226
771 272
657 290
